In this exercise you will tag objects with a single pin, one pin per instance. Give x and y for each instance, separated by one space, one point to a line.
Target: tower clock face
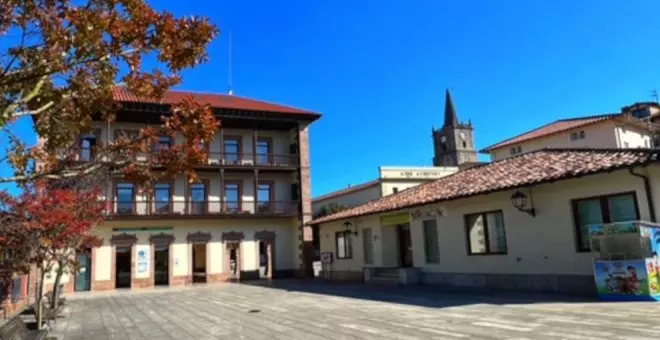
443 139
462 135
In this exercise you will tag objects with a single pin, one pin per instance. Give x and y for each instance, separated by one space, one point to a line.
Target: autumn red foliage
43 225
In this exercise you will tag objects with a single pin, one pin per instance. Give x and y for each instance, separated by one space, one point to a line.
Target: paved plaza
310 311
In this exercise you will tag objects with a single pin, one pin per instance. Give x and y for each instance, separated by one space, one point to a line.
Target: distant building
391 180
633 127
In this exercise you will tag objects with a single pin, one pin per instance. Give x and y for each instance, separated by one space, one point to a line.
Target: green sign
401 218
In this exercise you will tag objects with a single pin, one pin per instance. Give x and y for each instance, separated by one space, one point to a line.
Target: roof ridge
344 191
602 115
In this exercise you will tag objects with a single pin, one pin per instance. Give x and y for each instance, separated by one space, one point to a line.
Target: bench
17 329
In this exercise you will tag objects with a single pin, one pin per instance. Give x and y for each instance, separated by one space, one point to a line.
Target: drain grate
254 311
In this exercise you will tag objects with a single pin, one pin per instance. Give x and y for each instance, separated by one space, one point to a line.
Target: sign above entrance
421 173
401 218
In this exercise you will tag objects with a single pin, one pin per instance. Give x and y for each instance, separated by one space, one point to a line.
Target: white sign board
143 254
326 258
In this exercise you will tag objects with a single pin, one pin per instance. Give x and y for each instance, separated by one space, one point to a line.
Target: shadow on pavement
419 295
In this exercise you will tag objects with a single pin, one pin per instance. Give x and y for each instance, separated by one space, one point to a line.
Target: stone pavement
310 311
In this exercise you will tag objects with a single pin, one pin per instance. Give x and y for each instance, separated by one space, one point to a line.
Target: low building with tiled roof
615 130
517 222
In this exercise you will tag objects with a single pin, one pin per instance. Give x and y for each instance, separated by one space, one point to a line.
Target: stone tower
454 142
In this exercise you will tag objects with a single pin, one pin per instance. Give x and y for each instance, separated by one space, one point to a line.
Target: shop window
431 247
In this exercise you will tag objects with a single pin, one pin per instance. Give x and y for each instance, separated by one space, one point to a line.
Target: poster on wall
143 262
653 270
622 280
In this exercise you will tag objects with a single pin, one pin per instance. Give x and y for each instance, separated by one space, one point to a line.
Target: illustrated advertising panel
622 280
653 269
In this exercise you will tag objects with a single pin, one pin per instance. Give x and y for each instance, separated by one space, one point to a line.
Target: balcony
242 161
208 209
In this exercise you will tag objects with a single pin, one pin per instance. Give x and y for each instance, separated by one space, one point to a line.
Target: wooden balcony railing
200 208
215 159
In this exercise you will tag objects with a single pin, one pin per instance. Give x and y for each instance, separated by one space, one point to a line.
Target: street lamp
519 201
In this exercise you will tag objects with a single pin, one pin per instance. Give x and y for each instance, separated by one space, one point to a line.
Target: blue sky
377 70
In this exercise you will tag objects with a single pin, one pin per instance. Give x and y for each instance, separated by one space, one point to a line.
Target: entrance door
264 269
83 276
123 267
199 262
405 245
233 250
162 264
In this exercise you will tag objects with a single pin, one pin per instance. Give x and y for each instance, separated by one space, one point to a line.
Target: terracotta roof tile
530 168
121 94
550 129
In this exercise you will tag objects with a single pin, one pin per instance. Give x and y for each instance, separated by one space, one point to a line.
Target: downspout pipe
647 190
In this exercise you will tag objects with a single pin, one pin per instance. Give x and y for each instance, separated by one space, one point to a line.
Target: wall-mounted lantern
348 225
519 201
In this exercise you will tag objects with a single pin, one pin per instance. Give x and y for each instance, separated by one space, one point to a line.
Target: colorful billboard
622 280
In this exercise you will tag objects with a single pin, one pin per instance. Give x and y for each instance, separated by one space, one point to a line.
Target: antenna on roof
654 94
229 73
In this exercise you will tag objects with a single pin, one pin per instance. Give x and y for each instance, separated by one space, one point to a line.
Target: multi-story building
633 127
243 219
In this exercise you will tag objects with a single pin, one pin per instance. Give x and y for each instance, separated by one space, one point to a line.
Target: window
603 209
485 233
162 197
264 196
232 193
431 248
516 150
232 147
87 145
264 150
395 190
198 198
344 245
164 142
577 135
368 246
125 193
464 144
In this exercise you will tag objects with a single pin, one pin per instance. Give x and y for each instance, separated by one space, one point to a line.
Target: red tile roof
550 129
223 101
346 191
530 168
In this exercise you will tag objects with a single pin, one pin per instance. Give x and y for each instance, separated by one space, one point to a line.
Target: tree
45 226
61 61
330 209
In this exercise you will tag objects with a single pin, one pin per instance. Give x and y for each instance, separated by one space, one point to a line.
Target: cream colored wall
600 135
352 199
387 187
328 244
635 137
182 250
542 245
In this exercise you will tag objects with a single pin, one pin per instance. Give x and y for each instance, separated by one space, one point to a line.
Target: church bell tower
454 142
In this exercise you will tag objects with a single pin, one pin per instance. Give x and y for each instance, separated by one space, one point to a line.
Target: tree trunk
40 297
54 300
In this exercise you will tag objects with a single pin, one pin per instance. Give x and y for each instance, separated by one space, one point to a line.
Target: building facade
391 180
243 219
628 129
464 232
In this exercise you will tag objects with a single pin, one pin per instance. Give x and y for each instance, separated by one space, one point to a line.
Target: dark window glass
431 247
125 198
164 142
231 151
87 145
264 195
232 196
599 210
263 151
162 196
198 198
